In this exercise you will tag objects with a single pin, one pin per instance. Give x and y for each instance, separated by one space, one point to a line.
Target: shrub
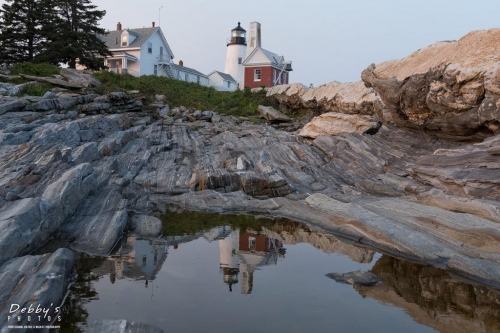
30 68
35 89
191 95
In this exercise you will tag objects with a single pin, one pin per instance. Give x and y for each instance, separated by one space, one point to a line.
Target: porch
120 62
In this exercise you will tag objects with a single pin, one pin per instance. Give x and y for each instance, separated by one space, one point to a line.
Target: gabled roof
224 76
187 70
272 58
142 36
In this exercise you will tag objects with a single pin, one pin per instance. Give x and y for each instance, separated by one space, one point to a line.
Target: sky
327 40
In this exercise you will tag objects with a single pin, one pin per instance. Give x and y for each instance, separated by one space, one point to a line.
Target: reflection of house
241 254
137 258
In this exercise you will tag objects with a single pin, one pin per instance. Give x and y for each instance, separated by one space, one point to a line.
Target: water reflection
135 258
246 253
433 298
241 254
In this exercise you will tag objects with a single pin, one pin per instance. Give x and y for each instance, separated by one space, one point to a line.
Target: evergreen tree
21 26
53 31
75 34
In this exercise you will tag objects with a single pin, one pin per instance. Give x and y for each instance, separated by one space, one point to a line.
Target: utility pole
159 16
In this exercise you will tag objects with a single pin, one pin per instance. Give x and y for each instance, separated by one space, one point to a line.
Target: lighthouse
236 52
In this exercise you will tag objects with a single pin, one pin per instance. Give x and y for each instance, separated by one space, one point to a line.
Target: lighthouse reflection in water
242 253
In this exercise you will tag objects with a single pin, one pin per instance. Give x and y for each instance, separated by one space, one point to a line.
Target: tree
75 34
52 31
21 24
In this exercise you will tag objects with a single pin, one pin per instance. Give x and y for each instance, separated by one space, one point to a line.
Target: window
228 84
150 47
252 242
239 61
155 69
186 77
198 79
124 40
257 74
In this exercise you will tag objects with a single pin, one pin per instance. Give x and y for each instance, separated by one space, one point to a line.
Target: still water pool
216 273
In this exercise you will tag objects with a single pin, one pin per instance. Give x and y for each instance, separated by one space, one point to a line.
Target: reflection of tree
74 314
435 299
181 222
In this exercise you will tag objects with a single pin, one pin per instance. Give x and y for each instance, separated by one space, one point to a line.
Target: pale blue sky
327 40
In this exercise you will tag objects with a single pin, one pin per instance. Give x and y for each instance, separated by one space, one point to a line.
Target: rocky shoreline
85 168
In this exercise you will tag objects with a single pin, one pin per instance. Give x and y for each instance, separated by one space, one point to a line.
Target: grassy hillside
191 95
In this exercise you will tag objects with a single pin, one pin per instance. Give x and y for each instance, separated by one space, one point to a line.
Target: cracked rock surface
90 170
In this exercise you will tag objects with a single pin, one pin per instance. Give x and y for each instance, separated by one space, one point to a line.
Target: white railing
124 71
163 58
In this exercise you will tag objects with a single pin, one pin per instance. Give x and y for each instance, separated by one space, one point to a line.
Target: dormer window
124 40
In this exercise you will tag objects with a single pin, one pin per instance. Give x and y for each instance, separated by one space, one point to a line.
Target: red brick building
251 65
264 68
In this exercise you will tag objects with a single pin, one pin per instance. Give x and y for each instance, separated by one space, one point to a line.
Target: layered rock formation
34 282
337 123
449 88
69 161
350 98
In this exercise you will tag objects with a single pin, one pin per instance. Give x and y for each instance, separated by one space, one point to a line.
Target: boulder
349 98
79 77
51 80
272 115
11 105
337 123
147 226
450 88
359 278
160 98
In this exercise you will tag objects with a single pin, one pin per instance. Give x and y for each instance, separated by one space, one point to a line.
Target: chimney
153 24
119 26
255 37
181 63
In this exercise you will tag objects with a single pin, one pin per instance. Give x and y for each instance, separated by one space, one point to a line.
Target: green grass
191 95
30 68
35 89
17 80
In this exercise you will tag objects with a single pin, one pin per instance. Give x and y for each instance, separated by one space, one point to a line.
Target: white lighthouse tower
236 51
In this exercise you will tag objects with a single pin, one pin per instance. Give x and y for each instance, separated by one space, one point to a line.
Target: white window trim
257 76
